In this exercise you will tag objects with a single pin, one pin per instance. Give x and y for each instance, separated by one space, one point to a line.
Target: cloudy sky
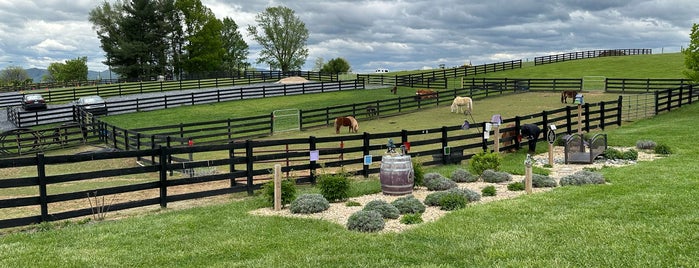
396 35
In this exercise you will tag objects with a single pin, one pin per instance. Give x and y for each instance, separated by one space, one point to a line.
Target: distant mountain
37 74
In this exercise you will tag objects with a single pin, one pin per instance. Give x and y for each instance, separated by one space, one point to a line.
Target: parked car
93 104
33 102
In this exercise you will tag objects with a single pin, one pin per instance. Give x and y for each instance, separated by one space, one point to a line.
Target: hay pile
292 80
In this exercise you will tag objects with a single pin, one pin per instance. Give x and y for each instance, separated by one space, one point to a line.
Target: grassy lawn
644 217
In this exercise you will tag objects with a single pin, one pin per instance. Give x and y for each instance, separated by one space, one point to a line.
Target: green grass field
646 216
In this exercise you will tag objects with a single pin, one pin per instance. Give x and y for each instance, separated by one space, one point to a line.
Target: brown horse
508 137
348 121
394 90
567 94
422 94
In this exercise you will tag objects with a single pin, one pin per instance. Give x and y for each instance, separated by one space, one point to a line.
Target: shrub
309 203
408 204
630 154
462 175
582 177
352 204
386 210
489 191
334 187
469 194
662 149
492 176
645 145
365 221
411 218
431 176
483 161
418 173
288 191
541 181
433 198
612 153
452 201
440 184
516 186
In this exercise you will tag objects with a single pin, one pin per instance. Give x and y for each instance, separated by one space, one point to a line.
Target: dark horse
567 94
347 121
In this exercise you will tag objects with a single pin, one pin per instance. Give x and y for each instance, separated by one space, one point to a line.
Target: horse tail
563 96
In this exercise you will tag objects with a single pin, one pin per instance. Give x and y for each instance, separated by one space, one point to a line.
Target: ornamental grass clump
408 204
662 149
483 161
386 210
366 221
582 177
411 218
288 191
493 176
431 176
452 201
462 175
440 184
418 173
516 186
309 203
469 194
542 181
489 191
432 199
334 187
645 145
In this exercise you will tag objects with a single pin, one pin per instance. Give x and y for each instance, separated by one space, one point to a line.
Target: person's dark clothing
531 132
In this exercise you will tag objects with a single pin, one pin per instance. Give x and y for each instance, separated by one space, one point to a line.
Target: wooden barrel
396 175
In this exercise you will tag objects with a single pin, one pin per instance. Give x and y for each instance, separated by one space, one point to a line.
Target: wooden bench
578 150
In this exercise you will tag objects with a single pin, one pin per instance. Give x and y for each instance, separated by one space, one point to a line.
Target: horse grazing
567 94
422 94
372 111
394 90
348 121
459 102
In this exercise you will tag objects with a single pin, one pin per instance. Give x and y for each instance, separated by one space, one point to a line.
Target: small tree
282 36
337 65
14 75
691 55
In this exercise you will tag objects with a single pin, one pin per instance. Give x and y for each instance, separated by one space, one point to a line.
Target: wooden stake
580 119
277 187
497 139
551 154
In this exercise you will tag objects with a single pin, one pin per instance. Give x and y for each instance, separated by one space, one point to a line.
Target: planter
396 175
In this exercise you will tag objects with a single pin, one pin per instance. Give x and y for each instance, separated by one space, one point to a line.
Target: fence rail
648 85
590 54
438 78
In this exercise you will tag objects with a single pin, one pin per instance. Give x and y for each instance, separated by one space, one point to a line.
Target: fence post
365 150
601 114
271 123
43 193
312 169
444 144
587 117
619 105
163 177
517 125
249 166
657 101
231 165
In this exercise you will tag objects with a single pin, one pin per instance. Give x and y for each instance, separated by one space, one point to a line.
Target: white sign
488 126
552 127
315 155
486 135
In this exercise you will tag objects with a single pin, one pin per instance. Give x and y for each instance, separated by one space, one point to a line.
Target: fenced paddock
590 54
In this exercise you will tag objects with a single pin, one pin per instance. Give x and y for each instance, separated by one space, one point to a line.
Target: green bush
612 153
440 184
516 186
288 191
483 161
630 154
408 204
489 191
418 173
309 203
433 198
469 194
334 187
431 176
541 181
582 177
645 145
462 175
386 210
662 149
493 176
452 201
411 218
365 221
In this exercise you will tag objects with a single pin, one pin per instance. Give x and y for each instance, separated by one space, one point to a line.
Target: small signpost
496 120
551 138
580 101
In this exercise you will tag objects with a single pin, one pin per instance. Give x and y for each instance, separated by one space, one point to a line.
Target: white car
93 104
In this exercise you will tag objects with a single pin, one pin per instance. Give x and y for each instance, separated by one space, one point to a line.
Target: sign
496 119
315 155
486 135
367 160
407 145
447 150
488 126
551 136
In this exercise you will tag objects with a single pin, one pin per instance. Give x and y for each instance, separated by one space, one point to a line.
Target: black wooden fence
647 85
590 54
21 118
438 78
237 166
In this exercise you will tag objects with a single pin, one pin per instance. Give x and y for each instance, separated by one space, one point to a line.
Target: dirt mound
292 80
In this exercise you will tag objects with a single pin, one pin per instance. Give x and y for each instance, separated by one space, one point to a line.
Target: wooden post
496 145
528 174
551 154
277 187
580 119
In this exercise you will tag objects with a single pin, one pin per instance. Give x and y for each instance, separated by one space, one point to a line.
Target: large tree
14 75
236 50
203 49
337 65
691 55
71 71
283 38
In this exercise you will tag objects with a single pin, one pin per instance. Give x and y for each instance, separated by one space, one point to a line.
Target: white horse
460 102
